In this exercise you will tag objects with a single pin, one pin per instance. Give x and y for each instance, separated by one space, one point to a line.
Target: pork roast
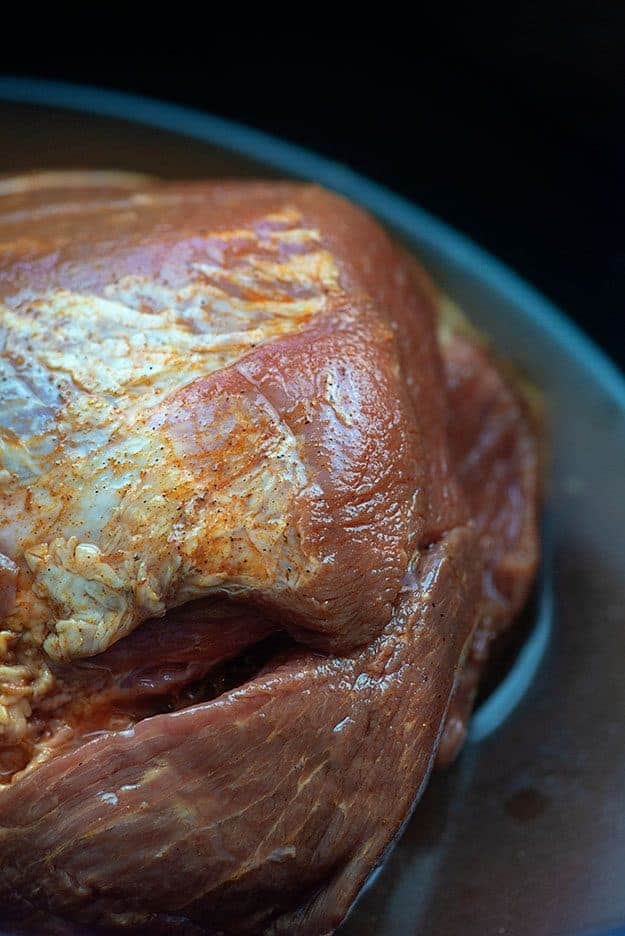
265 505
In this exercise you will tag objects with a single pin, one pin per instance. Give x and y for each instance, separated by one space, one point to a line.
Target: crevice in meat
201 650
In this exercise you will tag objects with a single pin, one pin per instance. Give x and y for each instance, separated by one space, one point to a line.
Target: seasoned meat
243 402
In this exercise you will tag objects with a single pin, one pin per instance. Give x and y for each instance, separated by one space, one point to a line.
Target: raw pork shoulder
264 506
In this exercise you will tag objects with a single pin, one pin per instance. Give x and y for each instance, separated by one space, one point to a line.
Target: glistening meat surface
334 473
203 393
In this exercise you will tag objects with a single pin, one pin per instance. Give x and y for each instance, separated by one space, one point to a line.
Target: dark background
510 126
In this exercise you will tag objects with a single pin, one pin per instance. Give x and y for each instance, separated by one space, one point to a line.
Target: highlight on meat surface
267 500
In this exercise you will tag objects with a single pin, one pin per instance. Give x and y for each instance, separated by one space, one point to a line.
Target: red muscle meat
347 519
